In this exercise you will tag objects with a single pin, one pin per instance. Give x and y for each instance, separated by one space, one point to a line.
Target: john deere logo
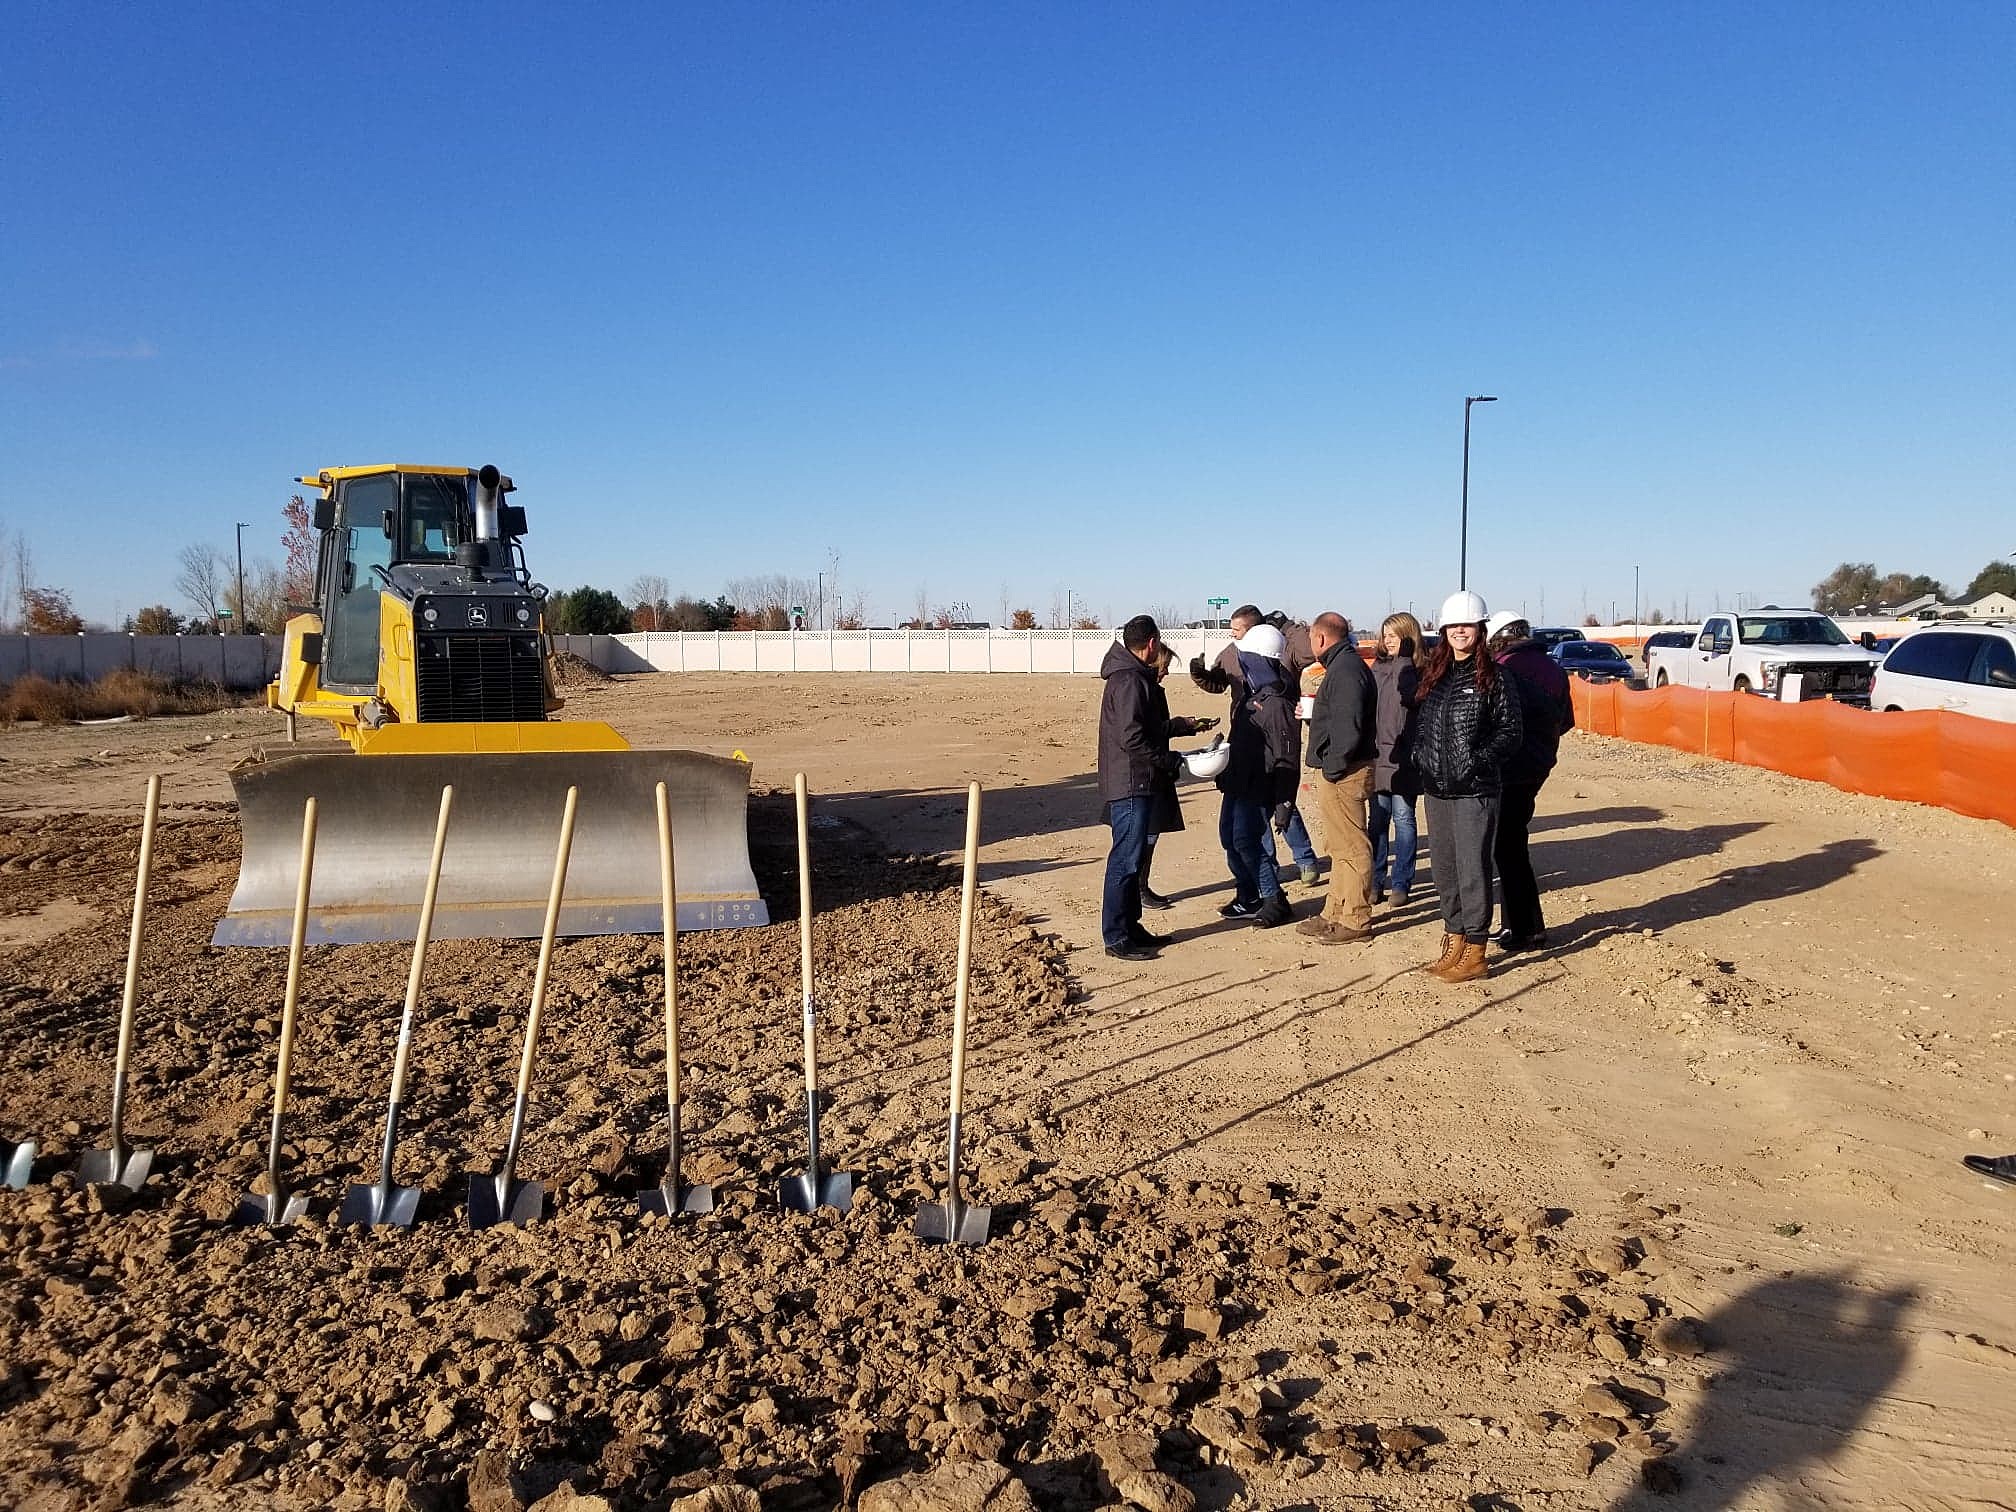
478 615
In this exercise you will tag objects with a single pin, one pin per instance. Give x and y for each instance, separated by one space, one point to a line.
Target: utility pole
822 601
1634 598
1463 543
238 619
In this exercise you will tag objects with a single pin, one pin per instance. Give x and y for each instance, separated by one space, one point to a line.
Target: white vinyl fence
236 661
864 650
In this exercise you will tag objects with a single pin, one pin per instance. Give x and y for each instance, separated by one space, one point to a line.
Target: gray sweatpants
1461 832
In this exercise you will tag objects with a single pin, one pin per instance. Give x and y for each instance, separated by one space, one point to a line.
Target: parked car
1966 669
1598 660
1663 638
1551 637
1758 651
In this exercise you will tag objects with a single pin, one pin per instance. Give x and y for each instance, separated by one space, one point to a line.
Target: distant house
1911 607
1989 606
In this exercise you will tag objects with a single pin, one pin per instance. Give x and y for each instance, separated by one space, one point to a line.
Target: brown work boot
1330 932
1452 947
1469 965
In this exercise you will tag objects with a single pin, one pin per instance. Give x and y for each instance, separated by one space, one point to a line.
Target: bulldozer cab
380 520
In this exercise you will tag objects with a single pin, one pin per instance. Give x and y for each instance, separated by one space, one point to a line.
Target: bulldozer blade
275 1209
493 1200
377 826
665 1199
375 1206
105 1168
954 1223
808 1190
19 1164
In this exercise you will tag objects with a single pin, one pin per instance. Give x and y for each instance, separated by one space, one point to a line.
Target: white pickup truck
1761 651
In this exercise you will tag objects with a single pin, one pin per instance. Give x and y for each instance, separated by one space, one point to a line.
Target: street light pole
238 619
822 601
1463 547
1634 599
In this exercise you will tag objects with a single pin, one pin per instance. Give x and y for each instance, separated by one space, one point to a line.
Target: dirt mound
1120 1327
572 671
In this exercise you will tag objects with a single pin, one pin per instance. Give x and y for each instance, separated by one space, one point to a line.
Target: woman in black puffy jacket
1467 727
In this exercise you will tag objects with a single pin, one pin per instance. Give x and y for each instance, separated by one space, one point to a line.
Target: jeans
1120 909
1463 830
1396 809
1518 888
1244 831
1300 846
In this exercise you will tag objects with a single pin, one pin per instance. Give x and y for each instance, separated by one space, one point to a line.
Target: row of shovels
500 1196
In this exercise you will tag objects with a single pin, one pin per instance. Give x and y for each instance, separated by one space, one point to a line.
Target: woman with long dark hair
1467 726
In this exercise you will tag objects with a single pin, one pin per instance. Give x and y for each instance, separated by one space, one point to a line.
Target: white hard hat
1499 621
1464 608
1210 760
1263 640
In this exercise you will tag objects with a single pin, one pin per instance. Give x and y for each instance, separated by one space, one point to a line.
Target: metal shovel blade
665 1199
947 1223
20 1161
803 1193
275 1209
493 1201
380 1204
102 1168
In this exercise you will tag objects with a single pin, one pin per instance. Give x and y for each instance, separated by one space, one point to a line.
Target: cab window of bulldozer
350 642
434 510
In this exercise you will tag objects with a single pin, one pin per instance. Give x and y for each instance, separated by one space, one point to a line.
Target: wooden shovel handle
669 898
420 938
546 940
296 943
805 930
968 894
146 867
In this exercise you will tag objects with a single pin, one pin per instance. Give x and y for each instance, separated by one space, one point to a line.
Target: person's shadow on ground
1803 1362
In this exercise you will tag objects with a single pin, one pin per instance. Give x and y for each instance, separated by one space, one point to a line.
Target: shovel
17 1164
502 1198
954 1221
668 1196
386 1203
118 1164
805 1192
277 1206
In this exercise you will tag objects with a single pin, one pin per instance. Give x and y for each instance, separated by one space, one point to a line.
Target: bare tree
1167 616
1057 609
202 573
922 614
854 616
650 591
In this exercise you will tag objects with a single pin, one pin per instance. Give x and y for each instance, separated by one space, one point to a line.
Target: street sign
797 608
1218 603
223 614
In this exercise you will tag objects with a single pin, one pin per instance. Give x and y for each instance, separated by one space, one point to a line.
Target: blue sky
1150 301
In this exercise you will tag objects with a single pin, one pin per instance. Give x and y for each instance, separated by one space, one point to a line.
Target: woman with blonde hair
1396 675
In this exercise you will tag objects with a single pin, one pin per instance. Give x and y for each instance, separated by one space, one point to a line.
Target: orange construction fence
1951 761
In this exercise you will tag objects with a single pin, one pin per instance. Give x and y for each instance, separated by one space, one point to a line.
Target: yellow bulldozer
427 650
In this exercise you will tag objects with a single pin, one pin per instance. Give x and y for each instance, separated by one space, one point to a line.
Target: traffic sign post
1216 603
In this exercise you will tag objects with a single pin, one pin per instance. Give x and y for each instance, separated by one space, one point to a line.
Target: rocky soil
1124 1338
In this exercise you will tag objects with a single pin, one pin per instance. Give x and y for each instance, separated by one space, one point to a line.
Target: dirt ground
1668 1214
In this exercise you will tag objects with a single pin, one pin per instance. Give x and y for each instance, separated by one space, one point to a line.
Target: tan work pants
1343 805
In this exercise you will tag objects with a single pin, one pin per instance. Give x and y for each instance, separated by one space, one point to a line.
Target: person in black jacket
1343 729
1133 749
1396 673
1546 713
1260 774
1468 726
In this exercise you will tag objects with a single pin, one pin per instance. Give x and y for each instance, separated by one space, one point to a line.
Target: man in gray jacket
1343 728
